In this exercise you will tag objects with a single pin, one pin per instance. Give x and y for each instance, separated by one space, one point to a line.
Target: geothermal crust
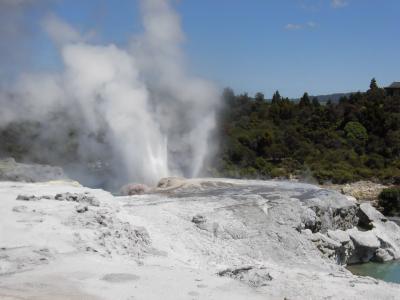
12 171
190 239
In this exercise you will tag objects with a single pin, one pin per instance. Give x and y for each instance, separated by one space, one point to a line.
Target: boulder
368 214
365 245
383 255
333 211
347 246
365 239
330 248
340 236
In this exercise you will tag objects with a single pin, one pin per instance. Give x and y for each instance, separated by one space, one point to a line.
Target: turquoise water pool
385 271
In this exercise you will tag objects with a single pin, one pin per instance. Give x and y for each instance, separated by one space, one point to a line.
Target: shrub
341 176
389 201
279 173
334 175
248 172
390 175
263 166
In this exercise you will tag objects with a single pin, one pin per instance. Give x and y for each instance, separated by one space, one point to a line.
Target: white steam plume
137 109
183 104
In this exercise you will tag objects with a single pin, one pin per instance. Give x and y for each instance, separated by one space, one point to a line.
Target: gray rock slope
295 218
190 239
10 170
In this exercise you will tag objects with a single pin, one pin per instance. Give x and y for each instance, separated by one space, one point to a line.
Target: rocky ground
14 171
361 190
190 239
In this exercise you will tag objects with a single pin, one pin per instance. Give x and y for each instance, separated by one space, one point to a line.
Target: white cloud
339 3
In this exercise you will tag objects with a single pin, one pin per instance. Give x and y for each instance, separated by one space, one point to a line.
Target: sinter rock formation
10 170
190 239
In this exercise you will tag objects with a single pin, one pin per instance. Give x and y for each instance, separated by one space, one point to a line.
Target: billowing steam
135 111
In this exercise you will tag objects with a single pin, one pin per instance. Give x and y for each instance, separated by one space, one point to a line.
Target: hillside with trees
353 139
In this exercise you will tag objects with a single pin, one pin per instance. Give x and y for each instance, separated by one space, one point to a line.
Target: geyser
135 113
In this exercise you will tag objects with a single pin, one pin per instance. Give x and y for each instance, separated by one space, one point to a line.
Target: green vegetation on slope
389 200
356 138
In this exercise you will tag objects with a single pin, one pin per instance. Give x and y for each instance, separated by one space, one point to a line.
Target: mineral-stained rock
170 182
134 189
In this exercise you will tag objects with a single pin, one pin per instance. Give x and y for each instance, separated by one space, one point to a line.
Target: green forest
355 138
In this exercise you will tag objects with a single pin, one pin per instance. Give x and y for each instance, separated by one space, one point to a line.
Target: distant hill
333 97
325 98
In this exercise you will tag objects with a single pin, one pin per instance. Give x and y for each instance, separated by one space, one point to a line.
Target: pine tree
373 85
259 97
305 100
276 98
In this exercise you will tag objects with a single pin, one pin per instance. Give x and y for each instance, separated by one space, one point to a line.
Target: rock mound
10 170
361 190
134 189
201 237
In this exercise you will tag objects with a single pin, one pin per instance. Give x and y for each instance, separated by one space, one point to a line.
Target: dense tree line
355 138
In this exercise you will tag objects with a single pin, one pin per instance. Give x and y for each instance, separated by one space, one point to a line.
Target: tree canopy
355 138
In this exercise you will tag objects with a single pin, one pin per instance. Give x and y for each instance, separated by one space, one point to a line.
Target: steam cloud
136 110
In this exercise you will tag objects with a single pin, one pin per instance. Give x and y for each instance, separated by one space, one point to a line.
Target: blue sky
319 46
